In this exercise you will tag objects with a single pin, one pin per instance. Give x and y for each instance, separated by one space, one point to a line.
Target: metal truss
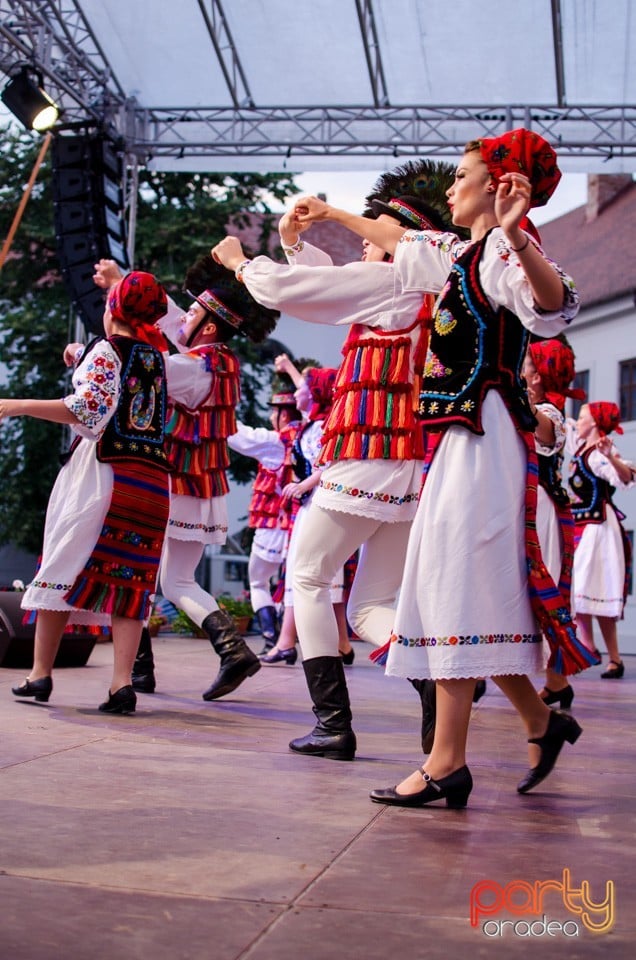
227 54
55 37
595 131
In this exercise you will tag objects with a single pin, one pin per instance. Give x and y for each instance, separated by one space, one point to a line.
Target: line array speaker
89 216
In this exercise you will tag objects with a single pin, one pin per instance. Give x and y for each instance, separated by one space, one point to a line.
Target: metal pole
23 202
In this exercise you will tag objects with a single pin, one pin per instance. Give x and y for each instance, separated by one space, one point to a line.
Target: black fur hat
415 187
220 293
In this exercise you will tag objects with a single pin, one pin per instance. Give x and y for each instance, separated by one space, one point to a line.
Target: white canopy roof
336 84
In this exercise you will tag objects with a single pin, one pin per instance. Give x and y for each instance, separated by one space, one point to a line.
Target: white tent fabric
319 84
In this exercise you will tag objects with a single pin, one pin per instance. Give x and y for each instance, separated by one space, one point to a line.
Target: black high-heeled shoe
614 672
288 656
40 689
349 657
561 727
122 701
563 697
455 789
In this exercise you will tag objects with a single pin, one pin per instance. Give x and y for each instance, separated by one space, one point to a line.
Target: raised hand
512 200
309 210
228 252
290 228
71 351
106 274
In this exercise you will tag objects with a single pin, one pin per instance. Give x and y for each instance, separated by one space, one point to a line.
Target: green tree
180 215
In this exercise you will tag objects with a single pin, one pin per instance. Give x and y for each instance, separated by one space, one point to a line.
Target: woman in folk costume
372 444
492 291
603 553
107 512
267 516
548 370
203 391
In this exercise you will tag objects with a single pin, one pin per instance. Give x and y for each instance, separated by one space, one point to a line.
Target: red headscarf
139 300
522 151
320 381
606 416
554 361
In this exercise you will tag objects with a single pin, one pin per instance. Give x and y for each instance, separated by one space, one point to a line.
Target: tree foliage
179 217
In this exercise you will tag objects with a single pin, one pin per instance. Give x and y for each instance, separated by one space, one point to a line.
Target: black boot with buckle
143 671
237 660
332 737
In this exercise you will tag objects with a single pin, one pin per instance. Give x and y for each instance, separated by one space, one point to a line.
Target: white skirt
598 578
464 609
198 519
270 544
386 490
75 515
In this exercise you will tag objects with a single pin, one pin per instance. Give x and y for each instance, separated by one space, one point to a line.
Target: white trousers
329 538
179 560
260 572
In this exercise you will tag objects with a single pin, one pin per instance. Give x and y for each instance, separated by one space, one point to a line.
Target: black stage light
29 102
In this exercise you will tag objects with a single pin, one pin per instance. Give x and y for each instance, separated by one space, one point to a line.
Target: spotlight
29 102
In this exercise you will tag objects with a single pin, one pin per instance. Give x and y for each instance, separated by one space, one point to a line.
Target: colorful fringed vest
590 494
197 439
472 349
265 501
375 396
136 429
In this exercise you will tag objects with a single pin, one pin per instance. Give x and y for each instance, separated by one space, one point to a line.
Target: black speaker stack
17 638
89 215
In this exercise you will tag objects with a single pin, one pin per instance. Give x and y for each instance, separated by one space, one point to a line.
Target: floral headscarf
525 152
606 416
139 300
320 381
554 362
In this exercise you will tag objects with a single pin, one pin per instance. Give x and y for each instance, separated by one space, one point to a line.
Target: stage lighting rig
28 101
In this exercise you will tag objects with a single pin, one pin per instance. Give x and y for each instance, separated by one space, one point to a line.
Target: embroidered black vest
136 429
472 349
550 477
590 494
301 466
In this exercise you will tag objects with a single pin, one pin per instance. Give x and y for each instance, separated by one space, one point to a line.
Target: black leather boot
332 737
143 671
426 690
237 660
268 625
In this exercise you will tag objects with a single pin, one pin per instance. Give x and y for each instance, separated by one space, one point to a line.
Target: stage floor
189 831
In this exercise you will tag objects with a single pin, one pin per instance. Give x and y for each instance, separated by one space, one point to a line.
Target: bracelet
238 273
294 248
522 247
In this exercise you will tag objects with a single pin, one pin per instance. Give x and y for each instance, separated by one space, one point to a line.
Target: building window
582 382
628 389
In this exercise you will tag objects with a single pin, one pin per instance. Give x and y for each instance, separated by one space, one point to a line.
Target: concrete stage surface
189 831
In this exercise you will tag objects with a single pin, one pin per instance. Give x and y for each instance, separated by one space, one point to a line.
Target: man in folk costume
203 392
372 444
268 516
